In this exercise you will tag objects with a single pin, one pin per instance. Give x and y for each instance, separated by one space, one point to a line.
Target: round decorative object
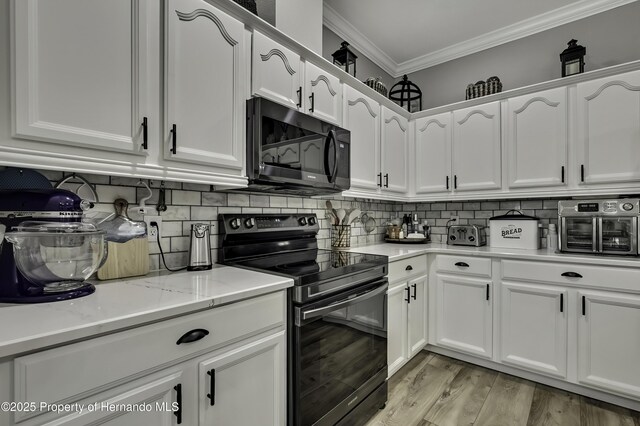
407 95
377 85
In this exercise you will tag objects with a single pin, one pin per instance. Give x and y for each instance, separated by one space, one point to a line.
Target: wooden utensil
341 214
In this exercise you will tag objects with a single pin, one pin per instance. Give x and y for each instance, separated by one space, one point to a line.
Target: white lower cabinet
609 341
533 328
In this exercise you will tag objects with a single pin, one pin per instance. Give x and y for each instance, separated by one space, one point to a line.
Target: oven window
617 234
579 233
338 353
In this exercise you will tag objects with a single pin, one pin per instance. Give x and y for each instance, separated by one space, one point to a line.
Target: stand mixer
57 215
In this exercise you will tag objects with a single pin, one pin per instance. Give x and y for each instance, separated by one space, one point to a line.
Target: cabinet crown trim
389 120
280 55
536 99
475 111
352 103
207 14
612 83
327 82
430 122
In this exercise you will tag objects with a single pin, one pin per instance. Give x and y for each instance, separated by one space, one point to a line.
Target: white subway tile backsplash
186 198
214 199
238 200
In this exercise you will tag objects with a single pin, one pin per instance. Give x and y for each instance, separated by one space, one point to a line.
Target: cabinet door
323 95
609 342
205 75
397 354
433 154
608 133
362 118
536 139
394 148
276 72
533 328
245 386
80 72
417 316
476 148
464 317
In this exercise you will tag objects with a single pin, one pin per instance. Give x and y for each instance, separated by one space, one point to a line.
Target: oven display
588 207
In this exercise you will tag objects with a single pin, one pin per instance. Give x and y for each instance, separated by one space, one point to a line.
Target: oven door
339 353
618 235
579 234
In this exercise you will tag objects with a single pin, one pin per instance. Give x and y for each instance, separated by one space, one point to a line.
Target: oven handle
313 313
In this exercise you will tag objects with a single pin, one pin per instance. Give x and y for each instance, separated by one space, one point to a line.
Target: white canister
515 230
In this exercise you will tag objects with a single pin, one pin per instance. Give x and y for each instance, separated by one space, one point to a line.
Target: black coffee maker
47 205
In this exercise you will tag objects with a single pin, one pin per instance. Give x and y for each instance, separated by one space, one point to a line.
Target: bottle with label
552 238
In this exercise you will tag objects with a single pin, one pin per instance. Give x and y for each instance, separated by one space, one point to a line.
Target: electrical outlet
455 218
152 231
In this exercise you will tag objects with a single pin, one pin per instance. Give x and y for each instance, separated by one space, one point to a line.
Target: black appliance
294 153
17 206
337 315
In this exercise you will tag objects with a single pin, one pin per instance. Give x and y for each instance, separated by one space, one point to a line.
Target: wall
302 21
611 38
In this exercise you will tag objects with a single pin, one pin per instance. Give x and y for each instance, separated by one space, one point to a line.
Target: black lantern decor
407 95
573 59
344 58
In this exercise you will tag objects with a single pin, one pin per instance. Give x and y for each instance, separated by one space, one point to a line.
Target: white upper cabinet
476 148
204 102
323 95
536 139
276 72
362 118
394 149
608 130
433 154
80 72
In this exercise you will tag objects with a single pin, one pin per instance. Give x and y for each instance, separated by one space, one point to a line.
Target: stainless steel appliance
199 248
599 226
466 235
337 321
292 152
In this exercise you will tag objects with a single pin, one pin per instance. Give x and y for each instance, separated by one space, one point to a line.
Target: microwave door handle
336 156
313 313
597 234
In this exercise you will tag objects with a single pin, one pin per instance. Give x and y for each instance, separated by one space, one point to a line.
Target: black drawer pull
408 299
462 264
178 412
192 336
581 172
386 180
561 302
584 305
312 99
571 275
380 180
212 387
174 139
415 290
447 182
299 92
487 291
455 181
562 173
409 268
145 134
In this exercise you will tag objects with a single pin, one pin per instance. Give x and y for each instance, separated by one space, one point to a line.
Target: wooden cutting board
128 259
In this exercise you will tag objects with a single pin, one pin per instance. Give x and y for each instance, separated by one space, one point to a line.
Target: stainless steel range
337 330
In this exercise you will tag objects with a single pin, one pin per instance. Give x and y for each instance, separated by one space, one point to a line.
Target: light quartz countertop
400 251
121 304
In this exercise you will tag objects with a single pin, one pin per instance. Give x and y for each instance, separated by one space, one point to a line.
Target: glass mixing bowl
58 256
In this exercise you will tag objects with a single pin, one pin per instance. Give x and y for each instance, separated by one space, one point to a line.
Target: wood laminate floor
433 390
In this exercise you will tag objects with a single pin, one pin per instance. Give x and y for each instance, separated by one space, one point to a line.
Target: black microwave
290 152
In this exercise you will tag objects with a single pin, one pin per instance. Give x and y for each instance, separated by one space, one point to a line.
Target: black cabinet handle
462 264
192 336
562 173
415 290
584 306
571 275
174 139
409 268
582 172
145 134
312 99
299 92
561 302
408 299
447 182
455 181
212 387
178 412
487 291
386 180
380 180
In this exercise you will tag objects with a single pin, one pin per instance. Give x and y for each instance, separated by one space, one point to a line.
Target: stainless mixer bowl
59 256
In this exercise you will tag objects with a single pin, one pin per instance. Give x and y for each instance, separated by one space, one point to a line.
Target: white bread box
515 230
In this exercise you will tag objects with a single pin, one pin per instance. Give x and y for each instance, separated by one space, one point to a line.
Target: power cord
447 225
164 262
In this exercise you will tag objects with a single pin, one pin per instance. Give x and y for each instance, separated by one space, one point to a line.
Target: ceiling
404 36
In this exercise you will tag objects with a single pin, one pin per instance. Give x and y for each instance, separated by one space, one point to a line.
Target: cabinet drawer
574 274
81 369
405 268
464 265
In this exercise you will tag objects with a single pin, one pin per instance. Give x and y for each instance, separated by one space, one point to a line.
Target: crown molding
344 29
527 27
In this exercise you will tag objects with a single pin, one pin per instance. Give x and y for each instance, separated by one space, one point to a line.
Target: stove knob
627 207
235 223
312 221
302 221
452 237
250 223
472 238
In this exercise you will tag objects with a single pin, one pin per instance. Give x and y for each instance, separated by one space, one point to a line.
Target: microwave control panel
622 207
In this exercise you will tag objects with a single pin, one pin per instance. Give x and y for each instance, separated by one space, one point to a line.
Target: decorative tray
407 240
